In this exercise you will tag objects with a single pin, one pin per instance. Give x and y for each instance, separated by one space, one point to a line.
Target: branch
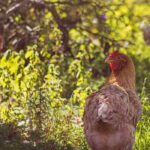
16 6
59 21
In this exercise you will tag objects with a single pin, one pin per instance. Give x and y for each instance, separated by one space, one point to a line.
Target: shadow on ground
11 139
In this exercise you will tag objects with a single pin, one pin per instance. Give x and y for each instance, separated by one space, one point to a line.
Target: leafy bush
43 86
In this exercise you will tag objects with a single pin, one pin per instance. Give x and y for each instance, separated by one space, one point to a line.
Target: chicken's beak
109 60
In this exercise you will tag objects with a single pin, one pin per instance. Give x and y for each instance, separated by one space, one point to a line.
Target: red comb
114 53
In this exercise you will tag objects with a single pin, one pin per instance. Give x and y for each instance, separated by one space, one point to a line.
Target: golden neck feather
125 77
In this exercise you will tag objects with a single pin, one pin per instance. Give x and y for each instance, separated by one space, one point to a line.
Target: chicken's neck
124 78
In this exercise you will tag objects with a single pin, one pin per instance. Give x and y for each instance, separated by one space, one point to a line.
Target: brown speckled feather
110 118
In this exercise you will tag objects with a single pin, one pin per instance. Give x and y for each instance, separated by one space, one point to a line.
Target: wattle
115 66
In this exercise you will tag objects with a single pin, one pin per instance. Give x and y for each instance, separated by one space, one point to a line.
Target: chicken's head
116 60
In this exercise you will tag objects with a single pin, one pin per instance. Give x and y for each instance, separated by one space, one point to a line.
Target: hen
112 113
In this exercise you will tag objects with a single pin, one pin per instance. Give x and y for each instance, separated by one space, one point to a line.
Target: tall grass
143 128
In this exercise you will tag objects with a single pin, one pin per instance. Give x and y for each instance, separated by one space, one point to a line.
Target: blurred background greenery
52 56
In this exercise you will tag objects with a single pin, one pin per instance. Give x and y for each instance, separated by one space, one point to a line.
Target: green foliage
143 130
43 87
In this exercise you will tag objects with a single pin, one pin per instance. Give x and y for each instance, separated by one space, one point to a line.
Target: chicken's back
110 118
